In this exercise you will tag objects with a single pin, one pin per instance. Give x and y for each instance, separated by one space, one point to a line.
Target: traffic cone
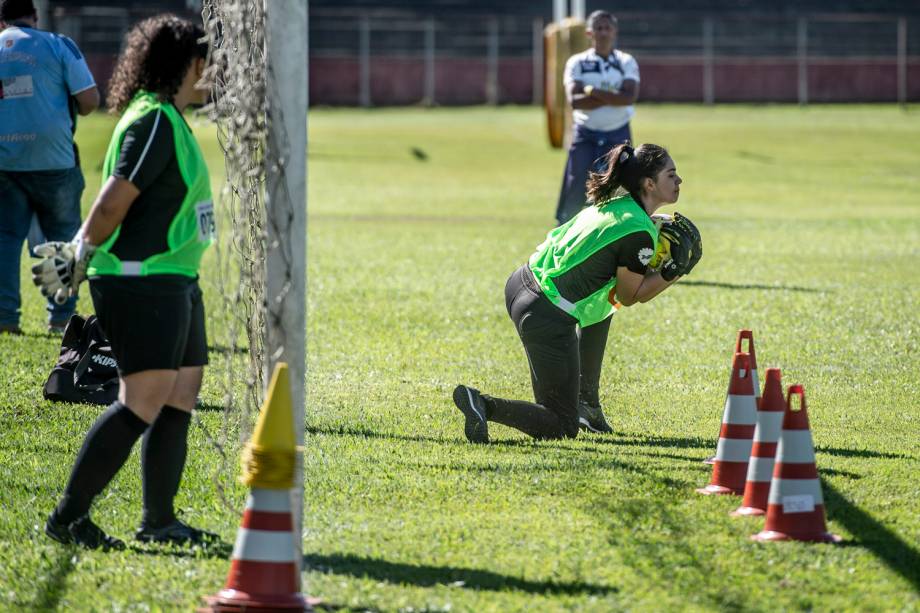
747 334
263 568
770 414
742 335
738 422
796 506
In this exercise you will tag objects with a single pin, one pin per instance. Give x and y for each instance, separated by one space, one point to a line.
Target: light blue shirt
39 72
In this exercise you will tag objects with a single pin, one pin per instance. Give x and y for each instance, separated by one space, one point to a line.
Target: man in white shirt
602 85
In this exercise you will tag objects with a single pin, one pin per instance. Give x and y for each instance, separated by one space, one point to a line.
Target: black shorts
153 323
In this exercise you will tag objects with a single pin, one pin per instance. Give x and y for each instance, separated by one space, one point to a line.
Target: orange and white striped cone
770 414
742 335
264 568
796 505
735 439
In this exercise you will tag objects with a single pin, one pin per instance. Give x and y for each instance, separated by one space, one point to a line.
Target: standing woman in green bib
141 247
610 254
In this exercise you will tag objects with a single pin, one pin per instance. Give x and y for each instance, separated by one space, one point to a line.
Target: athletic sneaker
177 533
591 419
82 532
473 407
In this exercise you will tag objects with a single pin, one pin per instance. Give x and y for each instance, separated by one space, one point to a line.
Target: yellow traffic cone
263 569
268 459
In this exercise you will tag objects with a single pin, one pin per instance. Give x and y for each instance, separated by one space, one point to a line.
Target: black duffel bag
86 371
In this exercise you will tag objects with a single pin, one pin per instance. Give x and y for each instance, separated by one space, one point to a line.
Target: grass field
811 222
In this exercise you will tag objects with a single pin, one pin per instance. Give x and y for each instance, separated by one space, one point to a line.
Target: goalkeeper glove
62 268
679 247
696 249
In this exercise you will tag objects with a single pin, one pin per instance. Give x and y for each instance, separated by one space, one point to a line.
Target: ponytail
623 171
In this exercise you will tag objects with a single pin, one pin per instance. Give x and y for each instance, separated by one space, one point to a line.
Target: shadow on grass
649 556
207 407
868 532
363 432
530 468
62 565
427 576
546 446
675 456
220 550
862 453
840 473
224 350
617 439
627 440
722 285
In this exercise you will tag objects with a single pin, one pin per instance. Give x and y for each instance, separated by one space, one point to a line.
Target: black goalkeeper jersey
148 160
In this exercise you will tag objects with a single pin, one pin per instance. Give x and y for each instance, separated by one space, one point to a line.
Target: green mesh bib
577 240
191 231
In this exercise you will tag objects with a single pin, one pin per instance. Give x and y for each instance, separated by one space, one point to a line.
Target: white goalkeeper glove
63 267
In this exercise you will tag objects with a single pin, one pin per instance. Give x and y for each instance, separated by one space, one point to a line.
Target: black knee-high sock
163 455
106 447
528 417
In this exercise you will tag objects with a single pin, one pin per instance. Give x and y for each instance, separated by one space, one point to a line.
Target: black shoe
82 532
591 419
470 402
177 533
57 531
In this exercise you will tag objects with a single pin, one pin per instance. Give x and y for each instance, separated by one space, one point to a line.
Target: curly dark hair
155 57
624 169
11 10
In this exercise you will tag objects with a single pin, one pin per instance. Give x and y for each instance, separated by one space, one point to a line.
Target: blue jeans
588 146
54 197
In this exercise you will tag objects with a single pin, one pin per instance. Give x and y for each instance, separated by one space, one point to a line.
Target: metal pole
560 10
41 9
537 55
802 38
902 61
429 62
286 213
578 9
492 62
364 60
709 96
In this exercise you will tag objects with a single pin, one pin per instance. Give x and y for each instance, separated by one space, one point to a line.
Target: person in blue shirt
44 82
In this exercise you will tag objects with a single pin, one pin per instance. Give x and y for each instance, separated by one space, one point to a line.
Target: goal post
286 215
258 80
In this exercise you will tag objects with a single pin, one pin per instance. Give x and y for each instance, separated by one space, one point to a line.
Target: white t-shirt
602 73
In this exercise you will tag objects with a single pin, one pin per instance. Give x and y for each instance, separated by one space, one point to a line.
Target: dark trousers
585 153
565 362
54 196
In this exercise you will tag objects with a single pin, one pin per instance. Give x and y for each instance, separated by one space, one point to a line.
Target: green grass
811 221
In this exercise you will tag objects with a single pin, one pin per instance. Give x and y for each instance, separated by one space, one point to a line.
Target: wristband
83 249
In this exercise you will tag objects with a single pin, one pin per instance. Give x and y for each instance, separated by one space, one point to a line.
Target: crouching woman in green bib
562 300
140 247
